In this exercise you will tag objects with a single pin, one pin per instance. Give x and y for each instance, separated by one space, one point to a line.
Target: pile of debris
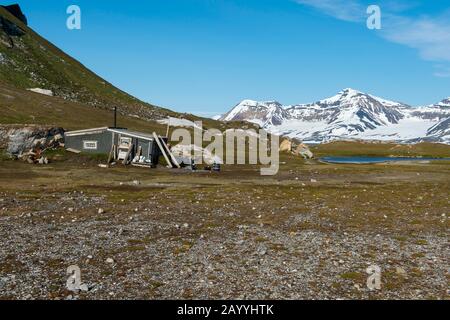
29 143
189 153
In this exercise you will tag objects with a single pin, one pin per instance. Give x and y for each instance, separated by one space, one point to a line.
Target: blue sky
204 56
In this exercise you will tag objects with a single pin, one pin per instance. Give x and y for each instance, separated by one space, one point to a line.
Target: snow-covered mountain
440 131
350 114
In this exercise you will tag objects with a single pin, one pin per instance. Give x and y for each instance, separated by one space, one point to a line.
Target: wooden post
168 127
110 157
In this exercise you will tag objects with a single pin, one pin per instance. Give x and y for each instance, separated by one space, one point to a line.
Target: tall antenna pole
115 117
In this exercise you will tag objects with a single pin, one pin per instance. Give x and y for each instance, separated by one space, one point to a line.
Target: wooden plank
125 161
110 157
174 160
141 165
73 150
139 152
169 163
168 127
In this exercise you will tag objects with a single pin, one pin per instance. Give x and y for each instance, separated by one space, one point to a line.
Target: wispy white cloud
341 9
429 35
400 5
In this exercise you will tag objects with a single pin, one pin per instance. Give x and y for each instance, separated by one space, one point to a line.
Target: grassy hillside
19 106
29 61
346 148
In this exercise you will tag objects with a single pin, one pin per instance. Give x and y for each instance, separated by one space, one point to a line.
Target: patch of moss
4 156
185 247
356 276
421 242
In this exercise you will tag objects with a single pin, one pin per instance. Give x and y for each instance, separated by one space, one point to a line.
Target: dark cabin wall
149 149
144 144
104 142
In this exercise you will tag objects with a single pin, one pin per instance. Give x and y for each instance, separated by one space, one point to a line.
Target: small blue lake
371 160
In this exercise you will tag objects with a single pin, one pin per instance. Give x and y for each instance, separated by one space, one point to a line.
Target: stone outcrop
22 140
16 11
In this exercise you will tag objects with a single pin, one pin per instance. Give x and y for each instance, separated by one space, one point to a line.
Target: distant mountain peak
351 91
249 102
445 102
354 98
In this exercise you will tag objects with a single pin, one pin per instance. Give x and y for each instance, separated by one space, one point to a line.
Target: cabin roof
85 131
134 134
122 131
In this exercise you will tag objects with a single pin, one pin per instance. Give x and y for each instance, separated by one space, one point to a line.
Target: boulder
296 147
286 145
304 151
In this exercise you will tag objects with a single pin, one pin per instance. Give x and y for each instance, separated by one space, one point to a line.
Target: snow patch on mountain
42 91
176 122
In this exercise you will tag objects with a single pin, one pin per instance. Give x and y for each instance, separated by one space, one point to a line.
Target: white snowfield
42 91
350 114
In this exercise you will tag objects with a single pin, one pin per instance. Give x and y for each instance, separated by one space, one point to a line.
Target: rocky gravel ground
309 233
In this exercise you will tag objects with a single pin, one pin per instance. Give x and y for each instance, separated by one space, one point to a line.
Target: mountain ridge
351 114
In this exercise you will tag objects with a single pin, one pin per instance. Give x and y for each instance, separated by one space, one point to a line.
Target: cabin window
125 142
90 145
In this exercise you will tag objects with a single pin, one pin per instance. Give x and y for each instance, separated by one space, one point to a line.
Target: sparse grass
355 276
185 247
345 148
421 242
96 157
59 154
4 156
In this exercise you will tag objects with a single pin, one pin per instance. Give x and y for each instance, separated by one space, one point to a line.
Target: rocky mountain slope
28 61
350 114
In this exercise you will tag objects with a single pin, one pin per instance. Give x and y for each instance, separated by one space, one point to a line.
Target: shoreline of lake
376 160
